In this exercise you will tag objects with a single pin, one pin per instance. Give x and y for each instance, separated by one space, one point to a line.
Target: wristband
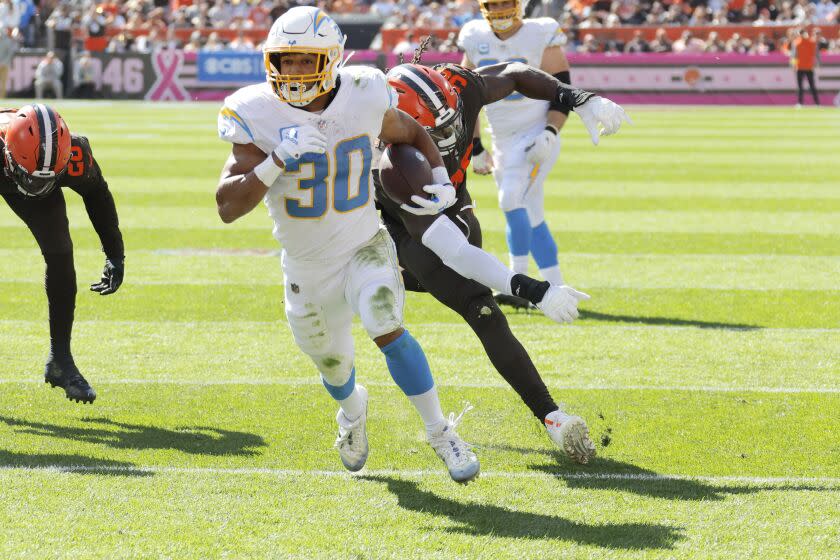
552 129
267 171
477 147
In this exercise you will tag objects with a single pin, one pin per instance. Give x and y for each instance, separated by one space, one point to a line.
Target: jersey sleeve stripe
234 116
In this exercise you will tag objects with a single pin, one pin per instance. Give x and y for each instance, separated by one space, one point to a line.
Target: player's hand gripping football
560 303
299 141
601 117
443 196
112 277
483 163
540 149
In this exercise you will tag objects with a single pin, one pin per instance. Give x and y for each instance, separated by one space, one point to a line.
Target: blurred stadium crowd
149 25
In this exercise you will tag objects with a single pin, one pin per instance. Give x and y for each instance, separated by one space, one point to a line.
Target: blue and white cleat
352 442
571 434
462 463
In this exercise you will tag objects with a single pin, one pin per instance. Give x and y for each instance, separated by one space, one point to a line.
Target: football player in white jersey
303 143
524 131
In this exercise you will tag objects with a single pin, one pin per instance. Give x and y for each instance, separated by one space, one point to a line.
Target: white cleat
571 434
462 463
352 442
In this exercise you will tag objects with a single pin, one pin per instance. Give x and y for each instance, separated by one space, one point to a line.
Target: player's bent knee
380 310
335 369
482 312
509 199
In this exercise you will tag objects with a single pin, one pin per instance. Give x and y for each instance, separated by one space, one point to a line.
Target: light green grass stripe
600 355
259 516
709 272
763 482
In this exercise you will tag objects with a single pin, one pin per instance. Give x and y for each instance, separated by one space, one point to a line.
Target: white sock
519 264
354 405
428 405
552 275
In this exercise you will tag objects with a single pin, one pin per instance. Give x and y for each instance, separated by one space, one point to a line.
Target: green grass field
707 363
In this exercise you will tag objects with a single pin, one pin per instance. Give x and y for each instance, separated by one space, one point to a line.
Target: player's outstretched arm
399 128
450 244
601 116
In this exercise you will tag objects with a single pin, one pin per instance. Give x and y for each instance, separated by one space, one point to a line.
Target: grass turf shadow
668 321
197 440
644 482
69 463
481 519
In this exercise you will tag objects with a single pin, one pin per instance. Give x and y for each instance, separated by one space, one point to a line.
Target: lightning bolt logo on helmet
304 30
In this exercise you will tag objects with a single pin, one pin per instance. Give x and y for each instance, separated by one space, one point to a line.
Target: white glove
443 196
483 163
601 117
560 303
541 148
298 141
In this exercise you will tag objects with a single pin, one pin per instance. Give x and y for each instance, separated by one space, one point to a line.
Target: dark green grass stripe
242 302
273 426
14 237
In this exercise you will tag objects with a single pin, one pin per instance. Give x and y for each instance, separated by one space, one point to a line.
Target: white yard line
442 325
314 380
288 473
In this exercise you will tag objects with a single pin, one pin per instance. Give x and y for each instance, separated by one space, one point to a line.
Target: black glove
112 277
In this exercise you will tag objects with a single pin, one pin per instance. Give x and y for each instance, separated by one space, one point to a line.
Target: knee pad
380 309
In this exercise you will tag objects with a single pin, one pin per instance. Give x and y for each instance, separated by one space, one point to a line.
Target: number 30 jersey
483 48
323 204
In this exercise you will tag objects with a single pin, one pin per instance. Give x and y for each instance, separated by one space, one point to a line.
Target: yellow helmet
304 30
503 19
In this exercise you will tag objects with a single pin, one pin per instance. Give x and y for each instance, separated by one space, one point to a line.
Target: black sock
528 288
60 283
509 356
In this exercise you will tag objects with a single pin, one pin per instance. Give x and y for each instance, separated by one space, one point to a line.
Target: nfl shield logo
483 48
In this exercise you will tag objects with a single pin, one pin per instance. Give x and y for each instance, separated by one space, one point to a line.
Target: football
403 172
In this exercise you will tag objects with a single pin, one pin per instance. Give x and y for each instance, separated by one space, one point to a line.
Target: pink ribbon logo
167 87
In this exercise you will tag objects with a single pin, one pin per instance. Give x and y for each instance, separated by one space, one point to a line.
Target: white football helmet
308 30
503 18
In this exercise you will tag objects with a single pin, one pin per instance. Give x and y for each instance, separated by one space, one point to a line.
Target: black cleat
67 376
513 301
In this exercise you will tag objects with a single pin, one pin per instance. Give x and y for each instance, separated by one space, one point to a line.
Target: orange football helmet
37 149
432 101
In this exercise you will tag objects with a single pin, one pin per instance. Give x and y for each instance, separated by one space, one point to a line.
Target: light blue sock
518 232
408 365
341 392
543 247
